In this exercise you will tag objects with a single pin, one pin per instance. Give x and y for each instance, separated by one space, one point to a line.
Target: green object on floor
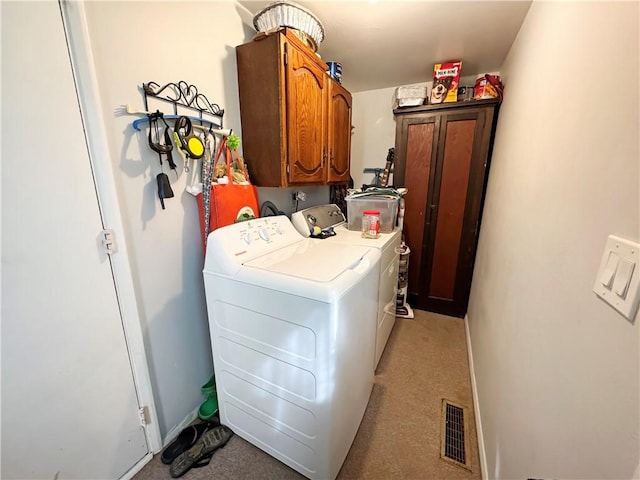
209 388
208 408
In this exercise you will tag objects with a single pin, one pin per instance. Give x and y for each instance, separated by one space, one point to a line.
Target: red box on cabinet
446 77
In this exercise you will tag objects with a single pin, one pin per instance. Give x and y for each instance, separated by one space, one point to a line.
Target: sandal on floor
187 439
204 448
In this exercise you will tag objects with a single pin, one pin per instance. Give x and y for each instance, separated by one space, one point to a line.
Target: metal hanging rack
207 116
184 96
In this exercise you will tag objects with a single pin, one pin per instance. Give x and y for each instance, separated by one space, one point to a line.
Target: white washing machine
292 327
330 216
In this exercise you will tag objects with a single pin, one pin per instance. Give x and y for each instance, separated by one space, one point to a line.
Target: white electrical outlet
618 279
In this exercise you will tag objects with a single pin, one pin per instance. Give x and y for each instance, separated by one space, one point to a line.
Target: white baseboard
476 406
137 467
175 431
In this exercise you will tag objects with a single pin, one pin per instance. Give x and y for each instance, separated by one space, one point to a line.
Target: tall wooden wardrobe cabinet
442 158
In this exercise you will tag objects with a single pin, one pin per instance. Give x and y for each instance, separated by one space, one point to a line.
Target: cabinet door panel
306 119
339 133
417 172
261 90
454 182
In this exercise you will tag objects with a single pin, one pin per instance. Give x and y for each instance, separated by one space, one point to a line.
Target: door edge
137 467
82 64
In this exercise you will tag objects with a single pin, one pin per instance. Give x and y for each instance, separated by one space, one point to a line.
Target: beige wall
557 370
374 133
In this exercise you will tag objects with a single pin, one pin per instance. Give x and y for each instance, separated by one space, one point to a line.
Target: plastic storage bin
411 95
388 208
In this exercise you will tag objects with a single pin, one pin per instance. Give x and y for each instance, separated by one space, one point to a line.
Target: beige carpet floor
399 438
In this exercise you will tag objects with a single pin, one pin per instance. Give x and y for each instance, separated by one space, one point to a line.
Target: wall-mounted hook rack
204 124
182 94
182 97
207 116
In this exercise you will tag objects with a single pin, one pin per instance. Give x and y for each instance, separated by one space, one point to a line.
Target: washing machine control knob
247 238
264 234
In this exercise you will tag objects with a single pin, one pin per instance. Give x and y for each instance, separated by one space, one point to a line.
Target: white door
69 403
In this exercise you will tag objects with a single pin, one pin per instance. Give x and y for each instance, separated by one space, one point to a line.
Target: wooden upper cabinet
339 126
296 120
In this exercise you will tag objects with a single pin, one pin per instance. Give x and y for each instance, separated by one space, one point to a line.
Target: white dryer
292 327
331 217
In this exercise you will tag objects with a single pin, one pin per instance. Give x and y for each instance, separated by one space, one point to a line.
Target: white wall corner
175 431
476 406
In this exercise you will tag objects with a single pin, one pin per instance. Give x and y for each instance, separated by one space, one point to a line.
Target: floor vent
454 443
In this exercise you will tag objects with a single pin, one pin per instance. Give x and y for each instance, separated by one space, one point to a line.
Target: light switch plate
629 254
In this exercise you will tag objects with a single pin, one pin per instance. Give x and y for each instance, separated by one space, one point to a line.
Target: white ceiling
390 43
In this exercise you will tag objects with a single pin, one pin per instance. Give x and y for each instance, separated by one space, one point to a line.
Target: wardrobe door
451 234
416 141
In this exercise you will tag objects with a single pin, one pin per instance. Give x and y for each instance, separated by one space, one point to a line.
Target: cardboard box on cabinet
446 77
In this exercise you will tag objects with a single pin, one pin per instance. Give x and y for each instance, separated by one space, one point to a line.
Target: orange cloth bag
229 202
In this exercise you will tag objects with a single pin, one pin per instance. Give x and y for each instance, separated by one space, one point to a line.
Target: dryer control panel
230 246
322 216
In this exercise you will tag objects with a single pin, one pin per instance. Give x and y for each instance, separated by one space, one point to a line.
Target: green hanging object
233 142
